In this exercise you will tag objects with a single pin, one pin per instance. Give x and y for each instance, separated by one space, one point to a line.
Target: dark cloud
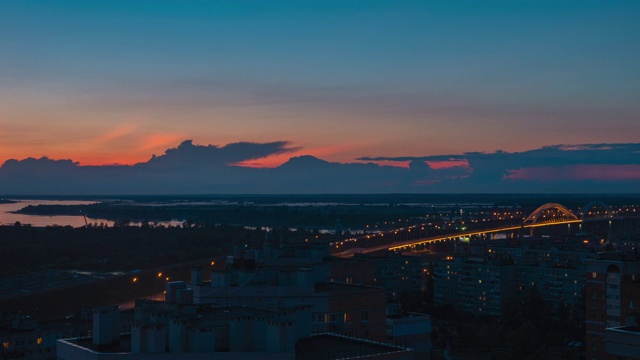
413 158
189 155
44 164
496 172
548 155
545 156
190 169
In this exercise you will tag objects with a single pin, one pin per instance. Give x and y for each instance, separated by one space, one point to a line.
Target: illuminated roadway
432 239
550 214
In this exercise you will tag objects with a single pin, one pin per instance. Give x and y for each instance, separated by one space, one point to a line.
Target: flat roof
122 346
332 346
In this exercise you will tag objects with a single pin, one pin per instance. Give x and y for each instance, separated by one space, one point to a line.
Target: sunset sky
103 82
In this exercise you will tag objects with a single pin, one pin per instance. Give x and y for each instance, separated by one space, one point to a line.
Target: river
8 218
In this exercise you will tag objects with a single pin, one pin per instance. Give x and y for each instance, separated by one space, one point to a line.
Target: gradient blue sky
112 81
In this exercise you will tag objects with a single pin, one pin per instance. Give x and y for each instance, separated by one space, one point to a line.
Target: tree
525 342
534 307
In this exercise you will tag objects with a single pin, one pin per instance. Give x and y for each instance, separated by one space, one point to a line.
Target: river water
7 218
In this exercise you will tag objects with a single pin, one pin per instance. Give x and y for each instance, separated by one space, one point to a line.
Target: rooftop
332 346
122 346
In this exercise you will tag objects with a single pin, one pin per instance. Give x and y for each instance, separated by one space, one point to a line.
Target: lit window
39 341
6 344
347 318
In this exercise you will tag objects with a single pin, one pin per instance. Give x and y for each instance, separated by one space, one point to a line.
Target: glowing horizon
115 82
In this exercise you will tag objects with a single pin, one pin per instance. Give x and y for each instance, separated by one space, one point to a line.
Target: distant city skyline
115 82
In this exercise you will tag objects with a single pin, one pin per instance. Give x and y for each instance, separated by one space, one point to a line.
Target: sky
115 82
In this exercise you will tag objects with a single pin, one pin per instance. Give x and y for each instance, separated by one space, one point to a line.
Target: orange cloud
447 164
279 159
400 164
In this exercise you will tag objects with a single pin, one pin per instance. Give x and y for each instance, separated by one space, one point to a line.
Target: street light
155 285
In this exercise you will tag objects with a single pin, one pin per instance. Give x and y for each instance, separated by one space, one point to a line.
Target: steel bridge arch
585 209
535 215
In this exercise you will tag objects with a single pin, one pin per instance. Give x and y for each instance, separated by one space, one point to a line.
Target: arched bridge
546 215
550 213
554 213
596 210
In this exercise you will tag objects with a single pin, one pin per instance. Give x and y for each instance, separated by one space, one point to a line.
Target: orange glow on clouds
399 164
279 159
447 164
435 165
268 162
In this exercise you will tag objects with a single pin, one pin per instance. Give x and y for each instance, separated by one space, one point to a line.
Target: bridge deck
432 239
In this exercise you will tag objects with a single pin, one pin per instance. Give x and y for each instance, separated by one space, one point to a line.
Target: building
276 302
623 342
612 298
400 274
473 286
479 286
299 275
25 340
551 255
557 285
22 337
556 270
331 346
411 330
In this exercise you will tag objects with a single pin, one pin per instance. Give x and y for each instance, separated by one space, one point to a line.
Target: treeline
350 216
25 248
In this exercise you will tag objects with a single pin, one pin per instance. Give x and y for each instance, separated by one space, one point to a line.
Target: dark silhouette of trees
120 248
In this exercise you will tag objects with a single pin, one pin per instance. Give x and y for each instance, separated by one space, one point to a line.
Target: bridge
550 214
